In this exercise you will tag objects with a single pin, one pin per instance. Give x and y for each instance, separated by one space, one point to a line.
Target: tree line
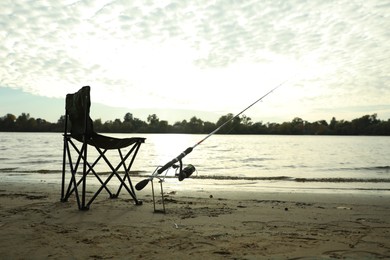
365 125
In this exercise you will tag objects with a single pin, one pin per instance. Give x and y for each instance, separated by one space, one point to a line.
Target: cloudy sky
204 58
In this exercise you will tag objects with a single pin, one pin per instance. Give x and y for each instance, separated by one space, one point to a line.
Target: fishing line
188 170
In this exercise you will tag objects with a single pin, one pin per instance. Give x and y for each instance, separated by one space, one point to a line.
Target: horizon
56 103
205 59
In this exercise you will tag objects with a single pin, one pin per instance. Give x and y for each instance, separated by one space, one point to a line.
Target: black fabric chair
76 165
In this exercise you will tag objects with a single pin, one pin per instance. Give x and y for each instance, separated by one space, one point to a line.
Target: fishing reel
183 173
180 172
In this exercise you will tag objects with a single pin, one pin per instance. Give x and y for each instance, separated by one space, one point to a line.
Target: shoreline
200 223
171 184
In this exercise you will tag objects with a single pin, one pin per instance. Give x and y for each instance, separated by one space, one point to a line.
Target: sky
205 58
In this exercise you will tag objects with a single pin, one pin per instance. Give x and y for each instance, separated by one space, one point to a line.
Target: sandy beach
198 224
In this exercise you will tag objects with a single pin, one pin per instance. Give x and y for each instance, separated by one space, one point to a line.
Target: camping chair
76 158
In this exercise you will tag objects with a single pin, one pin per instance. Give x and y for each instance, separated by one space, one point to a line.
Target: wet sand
198 224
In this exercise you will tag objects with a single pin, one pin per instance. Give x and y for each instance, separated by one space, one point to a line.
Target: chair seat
108 142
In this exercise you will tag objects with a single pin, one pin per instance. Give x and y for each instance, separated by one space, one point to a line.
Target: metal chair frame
71 185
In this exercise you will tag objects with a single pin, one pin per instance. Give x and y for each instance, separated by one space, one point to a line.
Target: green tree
153 119
208 127
139 125
298 126
222 120
364 125
7 123
98 125
163 127
153 122
179 127
333 124
128 117
195 125
61 123
258 128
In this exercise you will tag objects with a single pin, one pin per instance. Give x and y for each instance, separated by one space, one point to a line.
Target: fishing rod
187 171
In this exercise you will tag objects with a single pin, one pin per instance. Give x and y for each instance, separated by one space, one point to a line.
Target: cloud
186 54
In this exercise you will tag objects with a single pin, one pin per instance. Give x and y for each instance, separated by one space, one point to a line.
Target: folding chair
76 166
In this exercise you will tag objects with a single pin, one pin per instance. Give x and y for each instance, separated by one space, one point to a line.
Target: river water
267 162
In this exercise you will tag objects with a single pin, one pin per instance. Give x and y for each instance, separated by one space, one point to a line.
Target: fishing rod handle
178 158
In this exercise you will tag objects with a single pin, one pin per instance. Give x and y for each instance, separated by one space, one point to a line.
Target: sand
198 224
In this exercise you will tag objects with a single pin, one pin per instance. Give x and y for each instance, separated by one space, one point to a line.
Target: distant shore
365 125
200 223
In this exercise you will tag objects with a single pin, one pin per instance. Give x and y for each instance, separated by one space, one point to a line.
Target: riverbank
198 224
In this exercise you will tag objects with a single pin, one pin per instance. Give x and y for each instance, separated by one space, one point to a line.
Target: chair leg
78 185
90 168
115 172
73 171
134 151
63 169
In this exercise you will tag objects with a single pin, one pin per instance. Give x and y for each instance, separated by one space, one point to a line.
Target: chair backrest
77 110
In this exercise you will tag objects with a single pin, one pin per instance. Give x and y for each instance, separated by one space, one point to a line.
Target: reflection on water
358 160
